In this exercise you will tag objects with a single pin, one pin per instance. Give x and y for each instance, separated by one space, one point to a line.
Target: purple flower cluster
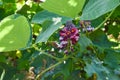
86 26
88 29
69 36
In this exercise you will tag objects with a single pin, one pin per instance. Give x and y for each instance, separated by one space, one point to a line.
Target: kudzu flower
86 26
88 29
69 36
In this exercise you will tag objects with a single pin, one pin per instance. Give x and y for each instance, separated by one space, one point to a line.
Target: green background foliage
29 38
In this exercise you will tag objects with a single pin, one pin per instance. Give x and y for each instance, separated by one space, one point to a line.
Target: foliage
32 31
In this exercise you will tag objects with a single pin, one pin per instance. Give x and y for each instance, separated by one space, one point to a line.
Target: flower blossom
86 26
69 35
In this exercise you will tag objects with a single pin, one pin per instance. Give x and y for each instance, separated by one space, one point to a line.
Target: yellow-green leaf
14 33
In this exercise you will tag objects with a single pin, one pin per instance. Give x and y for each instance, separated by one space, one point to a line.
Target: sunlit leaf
96 8
14 33
69 8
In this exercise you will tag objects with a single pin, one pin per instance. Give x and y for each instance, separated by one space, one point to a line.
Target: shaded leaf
96 67
48 29
112 58
99 38
84 42
116 13
41 61
67 68
64 70
44 15
114 30
2 58
7 71
9 1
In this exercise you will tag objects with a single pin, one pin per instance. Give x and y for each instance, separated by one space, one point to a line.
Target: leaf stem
39 75
51 67
49 55
104 20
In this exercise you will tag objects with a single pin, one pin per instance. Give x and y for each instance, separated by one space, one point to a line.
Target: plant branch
51 67
49 55
39 75
104 20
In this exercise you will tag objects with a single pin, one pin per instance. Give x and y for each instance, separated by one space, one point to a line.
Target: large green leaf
67 68
99 38
96 67
112 58
39 61
44 15
64 70
69 8
84 42
48 29
14 33
96 8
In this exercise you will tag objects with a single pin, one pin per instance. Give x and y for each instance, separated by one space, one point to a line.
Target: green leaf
96 67
2 12
75 75
96 22
40 61
44 15
49 28
15 33
84 42
24 9
103 72
114 30
116 13
96 8
67 68
19 76
112 58
64 69
99 38
7 71
69 8
9 1
2 58
1 3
